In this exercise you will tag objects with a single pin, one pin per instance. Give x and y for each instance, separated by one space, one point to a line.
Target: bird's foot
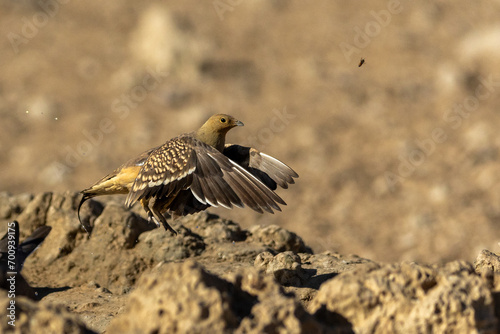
168 227
152 219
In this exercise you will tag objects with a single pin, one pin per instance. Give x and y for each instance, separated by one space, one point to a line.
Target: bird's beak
239 123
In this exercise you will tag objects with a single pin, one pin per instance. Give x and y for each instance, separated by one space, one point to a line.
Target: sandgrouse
196 170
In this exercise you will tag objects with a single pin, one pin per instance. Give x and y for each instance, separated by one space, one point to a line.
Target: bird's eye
223 120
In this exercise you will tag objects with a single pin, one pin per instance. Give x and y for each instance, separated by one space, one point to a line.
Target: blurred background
398 159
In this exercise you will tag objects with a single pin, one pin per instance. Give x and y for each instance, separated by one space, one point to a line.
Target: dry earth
215 277
98 83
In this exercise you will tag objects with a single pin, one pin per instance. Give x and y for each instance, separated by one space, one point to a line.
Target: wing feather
250 190
165 170
266 168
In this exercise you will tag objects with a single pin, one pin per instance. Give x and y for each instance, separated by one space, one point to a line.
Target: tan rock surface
398 159
37 318
128 276
410 298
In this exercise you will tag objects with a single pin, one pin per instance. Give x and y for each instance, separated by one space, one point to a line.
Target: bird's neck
214 139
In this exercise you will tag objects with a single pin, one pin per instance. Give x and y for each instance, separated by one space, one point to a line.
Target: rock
123 249
118 228
235 252
410 298
179 298
11 205
35 213
184 298
65 226
327 265
231 280
487 264
89 213
93 304
31 317
278 239
487 261
56 210
277 311
163 246
214 229
285 267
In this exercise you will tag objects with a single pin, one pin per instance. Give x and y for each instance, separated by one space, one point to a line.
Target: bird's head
221 123
213 132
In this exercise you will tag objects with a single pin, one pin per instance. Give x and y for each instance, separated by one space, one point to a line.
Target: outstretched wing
185 163
166 171
221 181
267 169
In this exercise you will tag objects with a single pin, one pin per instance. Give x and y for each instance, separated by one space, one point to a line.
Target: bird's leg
164 221
157 210
151 217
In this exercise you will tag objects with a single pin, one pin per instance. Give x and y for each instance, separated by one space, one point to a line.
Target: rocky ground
128 277
398 159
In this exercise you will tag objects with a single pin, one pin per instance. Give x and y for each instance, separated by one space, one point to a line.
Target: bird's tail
86 195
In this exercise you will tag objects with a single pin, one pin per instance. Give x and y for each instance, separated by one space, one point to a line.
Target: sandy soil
398 159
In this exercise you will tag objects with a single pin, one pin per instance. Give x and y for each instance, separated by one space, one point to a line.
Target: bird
197 170
13 255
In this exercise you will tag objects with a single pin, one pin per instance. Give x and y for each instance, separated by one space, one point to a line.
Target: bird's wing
31 243
34 240
218 181
25 248
187 163
167 170
267 169
4 242
185 204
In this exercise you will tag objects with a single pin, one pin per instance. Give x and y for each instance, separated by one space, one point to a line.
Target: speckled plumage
196 170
